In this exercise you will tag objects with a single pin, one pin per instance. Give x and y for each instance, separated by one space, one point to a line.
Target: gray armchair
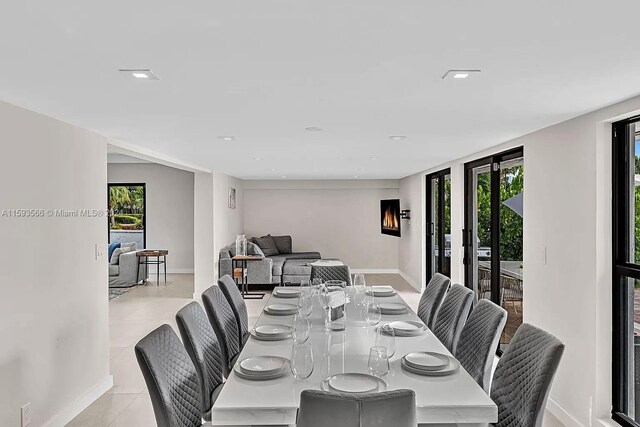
125 273
258 272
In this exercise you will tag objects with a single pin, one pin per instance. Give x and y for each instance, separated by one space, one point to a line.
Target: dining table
454 399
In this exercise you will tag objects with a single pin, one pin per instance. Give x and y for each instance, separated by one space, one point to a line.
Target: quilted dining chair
391 408
479 341
234 297
331 272
524 375
202 345
432 298
171 379
224 324
452 316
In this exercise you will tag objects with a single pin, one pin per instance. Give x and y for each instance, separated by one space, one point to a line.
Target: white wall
227 222
410 261
567 212
53 310
204 274
339 219
169 221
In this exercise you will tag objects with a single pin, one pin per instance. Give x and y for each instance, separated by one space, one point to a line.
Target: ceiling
361 70
115 157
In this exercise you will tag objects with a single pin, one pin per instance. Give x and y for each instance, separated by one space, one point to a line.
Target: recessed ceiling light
140 74
227 138
397 137
460 74
355 176
273 169
373 158
257 158
284 176
313 129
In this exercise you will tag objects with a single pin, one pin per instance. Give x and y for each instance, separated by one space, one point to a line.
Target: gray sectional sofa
279 264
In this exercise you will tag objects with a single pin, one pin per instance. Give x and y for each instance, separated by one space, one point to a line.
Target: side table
239 268
153 253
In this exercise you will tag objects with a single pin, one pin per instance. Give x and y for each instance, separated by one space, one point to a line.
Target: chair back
202 345
224 324
452 316
524 375
479 341
392 408
171 379
432 298
331 272
234 297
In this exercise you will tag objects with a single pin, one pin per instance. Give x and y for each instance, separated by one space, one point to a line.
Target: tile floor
136 313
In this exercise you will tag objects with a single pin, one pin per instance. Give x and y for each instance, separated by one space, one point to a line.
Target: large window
494 188
438 208
626 272
127 219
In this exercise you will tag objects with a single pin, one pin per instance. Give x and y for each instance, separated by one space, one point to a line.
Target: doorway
127 205
438 220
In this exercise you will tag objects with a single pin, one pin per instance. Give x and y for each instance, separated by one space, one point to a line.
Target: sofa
124 273
279 264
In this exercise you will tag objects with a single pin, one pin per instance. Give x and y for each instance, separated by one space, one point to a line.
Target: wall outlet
99 251
26 414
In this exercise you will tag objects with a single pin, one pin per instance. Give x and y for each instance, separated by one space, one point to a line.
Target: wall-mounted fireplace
390 217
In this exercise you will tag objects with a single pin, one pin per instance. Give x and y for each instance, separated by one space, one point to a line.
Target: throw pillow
283 243
112 247
115 257
267 245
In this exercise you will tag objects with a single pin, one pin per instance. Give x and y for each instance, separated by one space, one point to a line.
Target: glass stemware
301 329
302 360
325 298
305 304
386 337
373 313
378 361
359 282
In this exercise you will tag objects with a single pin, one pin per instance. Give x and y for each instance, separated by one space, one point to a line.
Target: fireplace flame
389 220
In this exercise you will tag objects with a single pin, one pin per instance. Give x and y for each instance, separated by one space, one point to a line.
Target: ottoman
295 270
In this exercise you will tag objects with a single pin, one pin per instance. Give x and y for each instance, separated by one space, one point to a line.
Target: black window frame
144 208
438 266
622 268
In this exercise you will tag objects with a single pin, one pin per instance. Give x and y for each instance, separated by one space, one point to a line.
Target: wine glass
305 286
302 360
325 300
378 361
305 304
359 282
301 329
386 337
373 313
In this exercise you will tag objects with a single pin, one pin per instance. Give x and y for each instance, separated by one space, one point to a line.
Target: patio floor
514 320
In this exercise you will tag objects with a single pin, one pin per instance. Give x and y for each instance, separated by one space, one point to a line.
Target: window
127 218
494 195
626 272
438 219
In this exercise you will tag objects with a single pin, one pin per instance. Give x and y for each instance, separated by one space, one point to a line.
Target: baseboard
176 270
71 411
374 270
561 414
406 277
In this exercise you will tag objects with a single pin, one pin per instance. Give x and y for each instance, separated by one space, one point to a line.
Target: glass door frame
144 208
468 233
432 240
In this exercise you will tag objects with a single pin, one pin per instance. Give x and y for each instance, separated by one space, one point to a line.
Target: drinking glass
323 296
301 329
359 282
302 360
373 313
378 361
305 304
386 337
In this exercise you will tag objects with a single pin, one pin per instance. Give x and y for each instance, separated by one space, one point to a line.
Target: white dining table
455 399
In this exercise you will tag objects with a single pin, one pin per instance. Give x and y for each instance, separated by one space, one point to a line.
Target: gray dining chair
171 379
202 345
224 324
331 272
452 316
391 408
524 375
234 297
479 341
432 298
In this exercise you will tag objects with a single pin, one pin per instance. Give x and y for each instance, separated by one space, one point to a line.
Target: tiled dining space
143 309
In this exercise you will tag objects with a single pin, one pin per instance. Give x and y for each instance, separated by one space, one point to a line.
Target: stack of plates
381 291
393 308
262 367
354 383
284 292
281 309
407 328
271 332
430 364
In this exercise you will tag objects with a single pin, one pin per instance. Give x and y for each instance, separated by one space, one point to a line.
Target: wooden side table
239 268
153 253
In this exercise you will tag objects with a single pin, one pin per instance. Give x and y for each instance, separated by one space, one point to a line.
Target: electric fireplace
390 217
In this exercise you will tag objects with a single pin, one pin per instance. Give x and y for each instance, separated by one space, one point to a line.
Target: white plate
270 338
452 368
265 365
261 376
282 307
386 328
427 360
272 330
406 326
381 291
354 383
287 291
393 308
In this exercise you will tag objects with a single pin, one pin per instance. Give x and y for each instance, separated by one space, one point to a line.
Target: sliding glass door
127 214
494 194
438 220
